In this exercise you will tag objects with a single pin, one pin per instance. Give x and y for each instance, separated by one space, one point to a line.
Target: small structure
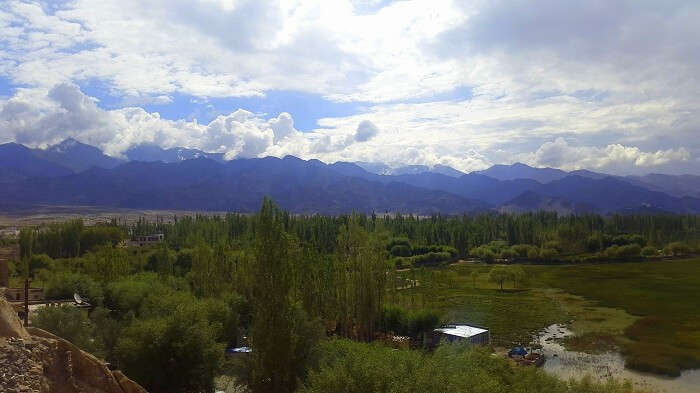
238 350
147 240
452 332
517 351
11 232
16 295
520 356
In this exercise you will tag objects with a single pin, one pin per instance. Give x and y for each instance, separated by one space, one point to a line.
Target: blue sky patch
7 89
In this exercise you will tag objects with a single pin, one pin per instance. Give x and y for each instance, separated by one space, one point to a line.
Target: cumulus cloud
366 130
283 126
611 83
64 111
616 158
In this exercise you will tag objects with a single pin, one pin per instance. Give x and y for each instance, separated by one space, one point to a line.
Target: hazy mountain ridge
148 153
77 156
75 173
238 185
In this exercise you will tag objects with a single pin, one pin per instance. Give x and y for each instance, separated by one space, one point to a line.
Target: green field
649 310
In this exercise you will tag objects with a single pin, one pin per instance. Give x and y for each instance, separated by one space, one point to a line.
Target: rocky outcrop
33 360
10 325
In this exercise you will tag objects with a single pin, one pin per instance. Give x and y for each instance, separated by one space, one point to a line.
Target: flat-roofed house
452 332
147 240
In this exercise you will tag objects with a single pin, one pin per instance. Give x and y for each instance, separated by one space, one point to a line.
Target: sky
606 85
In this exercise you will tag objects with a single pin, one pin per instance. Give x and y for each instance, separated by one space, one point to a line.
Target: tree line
280 283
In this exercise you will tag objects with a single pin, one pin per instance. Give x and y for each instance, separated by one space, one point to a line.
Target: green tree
649 251
362 281
69 323
172 353
517 275
62 285
474 275
278 354
107 263
499 275
162 261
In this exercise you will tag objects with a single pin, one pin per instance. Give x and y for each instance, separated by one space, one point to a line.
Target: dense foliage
280 283
349 367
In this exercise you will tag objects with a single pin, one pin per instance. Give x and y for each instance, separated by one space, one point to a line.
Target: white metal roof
465 331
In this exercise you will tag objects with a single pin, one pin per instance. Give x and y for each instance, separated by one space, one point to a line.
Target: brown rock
10 325
33 360
128 386
84 371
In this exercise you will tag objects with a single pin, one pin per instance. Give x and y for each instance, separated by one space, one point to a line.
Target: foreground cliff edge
33 360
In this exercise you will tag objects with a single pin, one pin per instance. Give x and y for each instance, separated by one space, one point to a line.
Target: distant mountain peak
69 144
150 152
77 156
519 170
519 164
383 169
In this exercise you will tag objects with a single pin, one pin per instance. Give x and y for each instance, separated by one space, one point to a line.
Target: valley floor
645 311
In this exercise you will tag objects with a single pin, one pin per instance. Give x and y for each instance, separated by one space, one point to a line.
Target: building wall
148 240
17 294
479 339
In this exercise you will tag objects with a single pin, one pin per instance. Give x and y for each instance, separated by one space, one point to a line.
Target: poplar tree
278 325
361 285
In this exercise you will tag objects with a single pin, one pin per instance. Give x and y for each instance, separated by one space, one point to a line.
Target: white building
478 335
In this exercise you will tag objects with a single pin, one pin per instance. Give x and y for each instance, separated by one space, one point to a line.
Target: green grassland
649 310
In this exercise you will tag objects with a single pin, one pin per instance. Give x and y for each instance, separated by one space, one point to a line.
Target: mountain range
73 173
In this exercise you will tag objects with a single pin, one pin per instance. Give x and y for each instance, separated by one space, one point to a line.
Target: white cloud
615 78
366 130
64 111
616 158
283 126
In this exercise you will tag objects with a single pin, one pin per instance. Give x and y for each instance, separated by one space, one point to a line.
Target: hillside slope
33 360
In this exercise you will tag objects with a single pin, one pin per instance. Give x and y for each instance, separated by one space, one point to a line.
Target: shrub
177 352
611 252
508 254
427 249
623 240
398 241
394 319
649 251
350 367
629 251
400 250
676 249
595 242
548 254
69 323
402 262
484 253
522 250
533 253
406 323
62 285
553 245
430 258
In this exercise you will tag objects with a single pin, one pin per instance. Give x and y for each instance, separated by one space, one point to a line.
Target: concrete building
11 232
16 295
147 240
